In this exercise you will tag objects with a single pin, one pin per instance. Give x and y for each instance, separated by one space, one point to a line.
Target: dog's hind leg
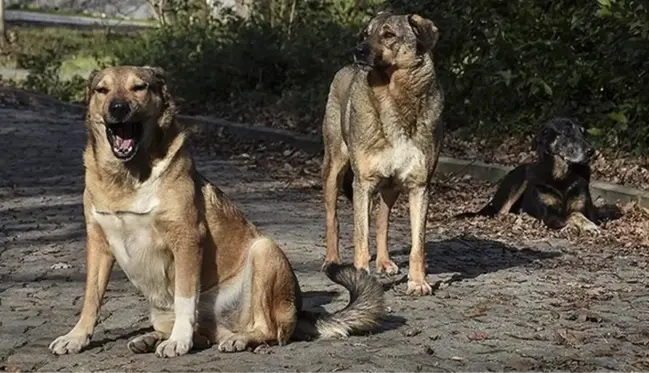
363 189
269 313
509 192
514 198
507 197
383 262
163 322
334 166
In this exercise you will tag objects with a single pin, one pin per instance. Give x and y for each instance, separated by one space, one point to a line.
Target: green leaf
546 88
506 75
619 117
594 131
604 12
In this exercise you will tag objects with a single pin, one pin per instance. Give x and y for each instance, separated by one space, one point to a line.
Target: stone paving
538 306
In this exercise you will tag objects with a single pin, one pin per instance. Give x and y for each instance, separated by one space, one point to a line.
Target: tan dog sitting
209 275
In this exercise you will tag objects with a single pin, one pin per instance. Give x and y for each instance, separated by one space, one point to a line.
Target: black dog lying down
554 189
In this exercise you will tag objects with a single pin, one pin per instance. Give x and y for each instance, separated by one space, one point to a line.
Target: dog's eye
388 35
101 90
140 87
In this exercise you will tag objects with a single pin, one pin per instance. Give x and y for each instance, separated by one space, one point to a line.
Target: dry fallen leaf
569 337
478 336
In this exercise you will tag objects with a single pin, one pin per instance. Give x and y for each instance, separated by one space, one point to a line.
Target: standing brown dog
383 125
209 275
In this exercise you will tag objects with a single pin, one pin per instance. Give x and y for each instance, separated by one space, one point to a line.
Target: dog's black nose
362 51
118 110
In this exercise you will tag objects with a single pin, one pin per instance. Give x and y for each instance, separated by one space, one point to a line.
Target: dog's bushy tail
362 313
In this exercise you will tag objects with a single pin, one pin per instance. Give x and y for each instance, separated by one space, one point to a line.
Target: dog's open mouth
124 139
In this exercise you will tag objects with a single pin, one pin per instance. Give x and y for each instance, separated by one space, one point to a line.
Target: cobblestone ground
498 307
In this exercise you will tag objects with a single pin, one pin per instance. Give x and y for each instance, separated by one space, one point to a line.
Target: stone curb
490 172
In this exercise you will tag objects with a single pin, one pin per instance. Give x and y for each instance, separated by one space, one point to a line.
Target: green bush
273 57
507 65
45 76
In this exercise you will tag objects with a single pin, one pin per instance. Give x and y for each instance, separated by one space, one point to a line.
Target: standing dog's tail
362 313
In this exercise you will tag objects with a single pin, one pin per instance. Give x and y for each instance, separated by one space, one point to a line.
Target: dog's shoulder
348 79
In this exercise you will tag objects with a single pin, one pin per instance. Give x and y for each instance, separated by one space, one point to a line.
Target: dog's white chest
139 249
403 160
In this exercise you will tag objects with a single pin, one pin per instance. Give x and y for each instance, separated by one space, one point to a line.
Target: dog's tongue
124 137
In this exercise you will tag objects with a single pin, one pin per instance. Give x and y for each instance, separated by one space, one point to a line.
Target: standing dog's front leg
99 264
185 244
417 284
362 191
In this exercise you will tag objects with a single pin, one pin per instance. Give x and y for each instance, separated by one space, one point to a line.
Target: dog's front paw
329 261
589 226
419 288
144 343
582 224
173 348
236 343
70 343
387 266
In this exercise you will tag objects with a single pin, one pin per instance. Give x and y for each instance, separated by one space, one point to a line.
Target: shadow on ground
466 257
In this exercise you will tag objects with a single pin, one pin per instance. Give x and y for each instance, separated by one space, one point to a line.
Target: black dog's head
563 138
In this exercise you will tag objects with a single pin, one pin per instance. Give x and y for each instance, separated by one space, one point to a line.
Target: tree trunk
163 10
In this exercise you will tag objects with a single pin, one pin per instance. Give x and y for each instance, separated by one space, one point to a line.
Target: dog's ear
159 76
156 71
543 139
90 85
426 32
378 17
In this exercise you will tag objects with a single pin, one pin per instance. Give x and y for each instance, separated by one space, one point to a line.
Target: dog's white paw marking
419 288
173 348
69 344
234 343
591 227
181 339
581 224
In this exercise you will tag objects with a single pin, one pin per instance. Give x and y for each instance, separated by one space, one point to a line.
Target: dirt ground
516 303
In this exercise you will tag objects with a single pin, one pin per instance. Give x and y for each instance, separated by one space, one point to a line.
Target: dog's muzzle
118 111
122 131
590 153
362 54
